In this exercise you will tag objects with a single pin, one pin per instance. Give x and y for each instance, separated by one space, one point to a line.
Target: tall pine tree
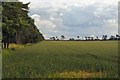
17 26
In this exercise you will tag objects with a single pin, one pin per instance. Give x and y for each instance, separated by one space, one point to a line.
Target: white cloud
45 26
41 22
52 18
110 21
75 17
35 16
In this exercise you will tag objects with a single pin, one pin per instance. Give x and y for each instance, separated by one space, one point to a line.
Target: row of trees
56 38
17 26
0 20
104 37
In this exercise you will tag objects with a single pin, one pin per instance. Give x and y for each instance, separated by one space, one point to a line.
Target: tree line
87 38
17 26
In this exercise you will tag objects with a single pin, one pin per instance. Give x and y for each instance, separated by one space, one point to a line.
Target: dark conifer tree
17 26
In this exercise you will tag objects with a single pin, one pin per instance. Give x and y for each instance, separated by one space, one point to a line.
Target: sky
75 17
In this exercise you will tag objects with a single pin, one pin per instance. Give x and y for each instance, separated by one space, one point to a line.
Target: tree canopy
17 26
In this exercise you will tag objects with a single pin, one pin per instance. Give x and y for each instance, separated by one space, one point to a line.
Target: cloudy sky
75 17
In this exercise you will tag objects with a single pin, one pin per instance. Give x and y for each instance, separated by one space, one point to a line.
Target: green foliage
0 21
63 58
17 26
9 0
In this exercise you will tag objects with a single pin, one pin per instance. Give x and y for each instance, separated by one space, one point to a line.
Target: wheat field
61 59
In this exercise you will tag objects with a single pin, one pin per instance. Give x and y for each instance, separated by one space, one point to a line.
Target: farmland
62 59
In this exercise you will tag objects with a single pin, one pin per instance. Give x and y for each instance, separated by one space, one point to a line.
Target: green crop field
62 59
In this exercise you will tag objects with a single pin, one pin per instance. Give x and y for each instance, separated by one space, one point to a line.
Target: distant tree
118 37
104 37
78 37
86 38
52 38
89 38
112 37
57 38
71 39
97 38
92 38
62 37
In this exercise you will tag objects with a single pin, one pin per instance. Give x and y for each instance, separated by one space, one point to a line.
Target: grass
77 74
62 59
